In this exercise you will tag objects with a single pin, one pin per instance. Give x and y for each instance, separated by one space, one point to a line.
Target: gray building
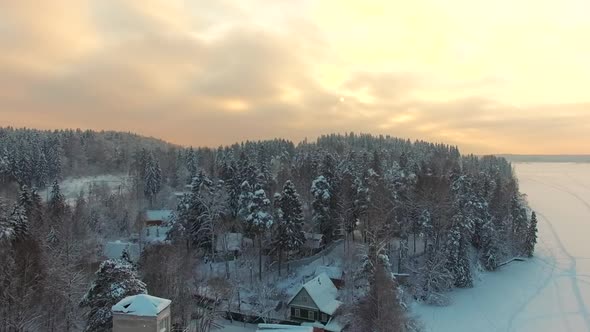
142 313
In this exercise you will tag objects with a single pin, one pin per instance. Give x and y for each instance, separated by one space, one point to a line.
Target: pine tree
258 210
381 309
57 203
322 197
531 236
153 178
18 220
115 280
244 200
259 220
289 232
458 255
7 232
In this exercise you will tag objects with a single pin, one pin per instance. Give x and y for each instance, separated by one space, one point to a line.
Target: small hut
142 313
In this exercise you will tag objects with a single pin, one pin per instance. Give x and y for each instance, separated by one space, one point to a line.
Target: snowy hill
72 187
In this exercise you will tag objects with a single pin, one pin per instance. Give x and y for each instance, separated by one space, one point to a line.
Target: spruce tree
322 196
153 178
6 225
19 222
531 236
289 232
57 202
259 219
458 256
115 280
244 200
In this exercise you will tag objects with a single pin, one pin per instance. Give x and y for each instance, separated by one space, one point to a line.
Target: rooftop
163 215
141 305
323 293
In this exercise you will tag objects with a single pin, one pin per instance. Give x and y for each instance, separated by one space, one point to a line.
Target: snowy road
550 292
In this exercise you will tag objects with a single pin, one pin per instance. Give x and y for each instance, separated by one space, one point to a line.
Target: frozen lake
550 292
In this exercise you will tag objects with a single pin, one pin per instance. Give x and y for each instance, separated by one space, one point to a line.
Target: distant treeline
534 158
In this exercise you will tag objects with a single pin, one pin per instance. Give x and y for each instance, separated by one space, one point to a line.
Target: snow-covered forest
405 221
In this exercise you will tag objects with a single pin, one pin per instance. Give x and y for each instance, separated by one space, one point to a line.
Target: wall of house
128 323
303 300
309 315
165 320
302 307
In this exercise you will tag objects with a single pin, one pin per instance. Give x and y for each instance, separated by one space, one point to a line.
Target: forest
416 219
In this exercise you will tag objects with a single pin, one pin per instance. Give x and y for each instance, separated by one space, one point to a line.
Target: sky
498 76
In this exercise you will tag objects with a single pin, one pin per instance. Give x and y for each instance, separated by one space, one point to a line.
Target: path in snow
550 292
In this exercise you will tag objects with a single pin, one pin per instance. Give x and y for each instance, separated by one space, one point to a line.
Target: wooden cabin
316 301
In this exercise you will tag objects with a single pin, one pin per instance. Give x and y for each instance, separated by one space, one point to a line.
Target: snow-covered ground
550 292
72 187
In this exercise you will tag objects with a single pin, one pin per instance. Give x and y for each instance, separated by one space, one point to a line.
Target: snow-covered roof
141 305
114 250
155 215
283 328
323 293
332 326
334 272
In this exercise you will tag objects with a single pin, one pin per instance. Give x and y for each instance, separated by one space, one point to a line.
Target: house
315 301
142 313
114 250
232 243
335 273
157 225
158 217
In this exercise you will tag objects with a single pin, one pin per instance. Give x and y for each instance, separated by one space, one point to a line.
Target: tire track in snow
563 189
571 271
539 289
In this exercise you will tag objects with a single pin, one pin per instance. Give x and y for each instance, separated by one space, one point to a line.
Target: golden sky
490 76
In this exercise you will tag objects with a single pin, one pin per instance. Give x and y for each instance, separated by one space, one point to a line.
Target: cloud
203 73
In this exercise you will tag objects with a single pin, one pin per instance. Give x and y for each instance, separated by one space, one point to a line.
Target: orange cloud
488 76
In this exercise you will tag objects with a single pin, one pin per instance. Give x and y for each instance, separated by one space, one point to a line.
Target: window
297 313
311 315
324 317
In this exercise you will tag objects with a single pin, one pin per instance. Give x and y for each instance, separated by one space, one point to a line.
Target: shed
142 313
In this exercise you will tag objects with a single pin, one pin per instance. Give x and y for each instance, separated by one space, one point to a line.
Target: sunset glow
490 76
